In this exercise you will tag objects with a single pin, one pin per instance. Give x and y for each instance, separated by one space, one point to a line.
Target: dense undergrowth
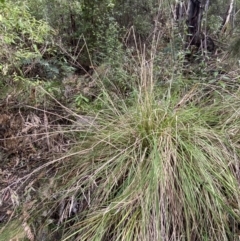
146 147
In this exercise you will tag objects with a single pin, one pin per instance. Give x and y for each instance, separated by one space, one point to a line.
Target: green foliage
24 39
12 230
80 99
235 47
75 19
95 24
114 73
53 88
137 14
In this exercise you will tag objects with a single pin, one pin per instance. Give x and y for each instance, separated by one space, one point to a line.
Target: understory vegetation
114 126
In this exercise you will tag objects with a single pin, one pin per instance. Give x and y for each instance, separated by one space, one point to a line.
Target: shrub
23 42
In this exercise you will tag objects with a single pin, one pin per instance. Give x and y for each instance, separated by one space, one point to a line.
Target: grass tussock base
158 170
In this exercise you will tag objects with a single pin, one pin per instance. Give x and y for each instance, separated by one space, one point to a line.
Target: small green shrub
24 40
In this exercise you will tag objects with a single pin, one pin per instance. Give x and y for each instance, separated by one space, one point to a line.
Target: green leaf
36 49
224 77
223 84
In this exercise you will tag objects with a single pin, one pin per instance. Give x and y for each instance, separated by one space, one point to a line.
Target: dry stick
42 133
46 126
186 98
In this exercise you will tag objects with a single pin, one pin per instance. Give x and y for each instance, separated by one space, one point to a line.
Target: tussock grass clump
158 170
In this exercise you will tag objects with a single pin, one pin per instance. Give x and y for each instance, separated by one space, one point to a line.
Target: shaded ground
28 138
31 136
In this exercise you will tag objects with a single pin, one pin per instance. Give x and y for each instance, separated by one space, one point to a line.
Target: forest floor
29 138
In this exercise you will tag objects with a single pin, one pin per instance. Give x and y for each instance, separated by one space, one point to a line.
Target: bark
194 18
226 20
196 37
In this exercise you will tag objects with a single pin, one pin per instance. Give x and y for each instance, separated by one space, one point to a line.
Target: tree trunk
226 21
195 35
194 19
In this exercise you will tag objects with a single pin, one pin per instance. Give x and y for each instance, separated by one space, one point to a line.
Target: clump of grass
164 167
158 170
13 230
